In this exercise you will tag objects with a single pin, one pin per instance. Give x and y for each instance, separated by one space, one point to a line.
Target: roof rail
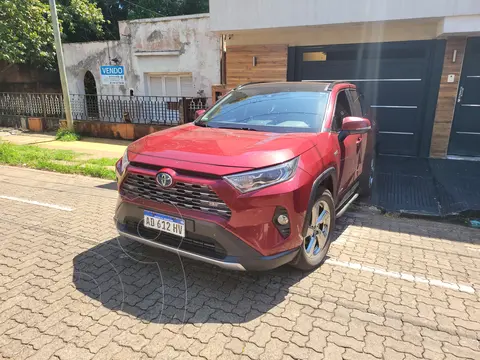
336 82
251 83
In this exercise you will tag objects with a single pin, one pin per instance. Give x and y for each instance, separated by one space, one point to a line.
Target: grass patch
98 171
26 154
102 162
61 161
67 135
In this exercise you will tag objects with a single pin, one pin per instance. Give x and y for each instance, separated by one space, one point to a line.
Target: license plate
164 223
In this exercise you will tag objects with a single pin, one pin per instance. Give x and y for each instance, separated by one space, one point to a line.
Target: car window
264 109
342 110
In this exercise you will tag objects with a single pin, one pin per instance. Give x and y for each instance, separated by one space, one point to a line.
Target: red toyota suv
255 182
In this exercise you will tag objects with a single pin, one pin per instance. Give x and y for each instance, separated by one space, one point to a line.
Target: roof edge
167 18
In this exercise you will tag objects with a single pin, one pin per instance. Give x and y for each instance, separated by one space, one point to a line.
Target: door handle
460 94
359 143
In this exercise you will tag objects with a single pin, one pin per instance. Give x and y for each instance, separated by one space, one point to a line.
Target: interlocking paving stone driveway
69 289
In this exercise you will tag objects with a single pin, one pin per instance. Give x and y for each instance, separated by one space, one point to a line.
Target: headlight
258 179
123 163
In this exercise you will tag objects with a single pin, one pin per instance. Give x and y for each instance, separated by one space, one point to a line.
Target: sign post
61 65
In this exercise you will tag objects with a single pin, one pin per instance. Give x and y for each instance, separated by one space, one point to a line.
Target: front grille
192 242
182 195
178 171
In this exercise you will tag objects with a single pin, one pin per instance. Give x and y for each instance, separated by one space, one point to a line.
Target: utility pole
61 65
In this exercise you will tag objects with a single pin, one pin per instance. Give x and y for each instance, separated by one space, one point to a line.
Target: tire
313 252
368 176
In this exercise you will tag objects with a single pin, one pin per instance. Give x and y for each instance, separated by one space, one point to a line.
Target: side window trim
354 99
332 126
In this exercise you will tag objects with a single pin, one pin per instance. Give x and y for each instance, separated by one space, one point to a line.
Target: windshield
263 109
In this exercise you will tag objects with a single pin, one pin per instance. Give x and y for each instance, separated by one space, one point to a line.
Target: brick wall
447 97
123 131
271 63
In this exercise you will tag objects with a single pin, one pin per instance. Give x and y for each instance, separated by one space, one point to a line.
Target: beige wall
338 34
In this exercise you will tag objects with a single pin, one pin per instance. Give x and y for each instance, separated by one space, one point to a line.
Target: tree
118 10
138 9
113 12
195 7
26 34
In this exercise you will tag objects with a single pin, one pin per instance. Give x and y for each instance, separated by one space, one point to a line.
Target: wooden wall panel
271 63
447 97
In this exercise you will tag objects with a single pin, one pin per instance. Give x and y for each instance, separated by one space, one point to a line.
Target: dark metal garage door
397 80
465 135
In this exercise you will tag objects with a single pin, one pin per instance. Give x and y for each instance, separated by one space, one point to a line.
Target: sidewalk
391 289
91 147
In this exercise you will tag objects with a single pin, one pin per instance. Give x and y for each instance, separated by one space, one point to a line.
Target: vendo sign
112 74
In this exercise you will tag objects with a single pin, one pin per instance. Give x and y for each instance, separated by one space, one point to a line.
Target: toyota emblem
164 180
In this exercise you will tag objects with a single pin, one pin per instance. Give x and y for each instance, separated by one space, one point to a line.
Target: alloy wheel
319 229
372 173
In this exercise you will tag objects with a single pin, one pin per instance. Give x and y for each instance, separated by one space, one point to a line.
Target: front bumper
204 241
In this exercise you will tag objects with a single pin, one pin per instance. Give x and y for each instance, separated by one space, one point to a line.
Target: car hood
223 147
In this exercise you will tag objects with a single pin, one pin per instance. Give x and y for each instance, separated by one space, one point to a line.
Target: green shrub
67 135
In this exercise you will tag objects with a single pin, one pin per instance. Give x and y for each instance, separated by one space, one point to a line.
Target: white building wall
82 57
459 25
232 15
181 45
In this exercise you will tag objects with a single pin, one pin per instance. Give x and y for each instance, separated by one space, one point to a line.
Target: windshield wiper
237 128
202 124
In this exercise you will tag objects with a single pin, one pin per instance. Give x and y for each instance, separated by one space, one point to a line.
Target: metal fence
153 110
34 105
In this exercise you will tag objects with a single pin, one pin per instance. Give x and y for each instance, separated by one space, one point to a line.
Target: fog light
282 219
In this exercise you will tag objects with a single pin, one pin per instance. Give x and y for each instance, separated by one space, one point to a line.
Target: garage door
393 77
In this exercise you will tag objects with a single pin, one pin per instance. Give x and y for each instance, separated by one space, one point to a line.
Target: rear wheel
316 243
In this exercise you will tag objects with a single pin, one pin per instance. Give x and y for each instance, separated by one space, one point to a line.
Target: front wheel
367 177
319 234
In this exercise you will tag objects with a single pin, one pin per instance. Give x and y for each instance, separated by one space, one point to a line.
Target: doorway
91 98
465 133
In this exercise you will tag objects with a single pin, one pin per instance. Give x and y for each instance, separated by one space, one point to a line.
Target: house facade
169 57
417 63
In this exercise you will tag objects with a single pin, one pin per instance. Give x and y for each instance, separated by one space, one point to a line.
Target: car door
348 147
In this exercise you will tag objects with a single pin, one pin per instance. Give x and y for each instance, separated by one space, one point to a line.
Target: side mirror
199 113
354 125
